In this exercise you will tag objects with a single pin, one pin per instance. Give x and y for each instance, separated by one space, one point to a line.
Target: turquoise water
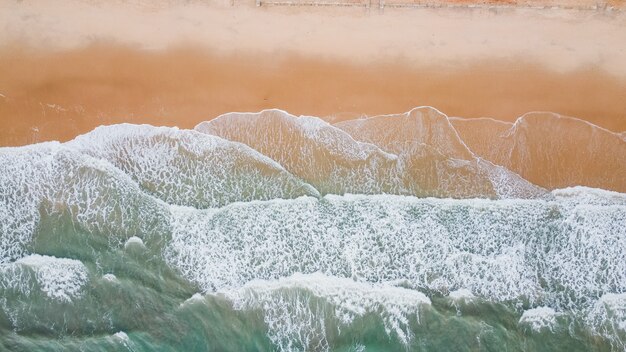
169 240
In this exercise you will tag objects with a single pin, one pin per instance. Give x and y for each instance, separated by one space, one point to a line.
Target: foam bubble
134 241
121 335
110 278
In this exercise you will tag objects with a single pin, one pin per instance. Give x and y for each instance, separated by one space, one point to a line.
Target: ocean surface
271 232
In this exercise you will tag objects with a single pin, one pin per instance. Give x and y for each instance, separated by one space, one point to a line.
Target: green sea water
97 253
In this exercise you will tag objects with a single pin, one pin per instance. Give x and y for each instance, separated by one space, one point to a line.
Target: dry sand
68 66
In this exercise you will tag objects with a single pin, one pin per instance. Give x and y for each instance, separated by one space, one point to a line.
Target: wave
60 279
539 318
550 150
143 237
335 163
296 308
311 149
189 168
399 133
36 279
436 159
561 254
51 179
536 250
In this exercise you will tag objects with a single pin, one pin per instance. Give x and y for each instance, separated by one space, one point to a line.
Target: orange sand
55 95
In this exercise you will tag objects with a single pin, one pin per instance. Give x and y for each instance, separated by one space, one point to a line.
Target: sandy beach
73 65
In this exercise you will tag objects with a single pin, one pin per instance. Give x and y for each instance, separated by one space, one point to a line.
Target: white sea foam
539 318
580 195
121 335
461 294
52 179
197 297
295 312
59 278
538 251
190 168
123 338
22 183
607 318
560 252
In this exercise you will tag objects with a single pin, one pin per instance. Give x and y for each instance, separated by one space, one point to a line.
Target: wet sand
57 95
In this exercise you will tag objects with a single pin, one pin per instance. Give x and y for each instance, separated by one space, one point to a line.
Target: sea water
146 238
